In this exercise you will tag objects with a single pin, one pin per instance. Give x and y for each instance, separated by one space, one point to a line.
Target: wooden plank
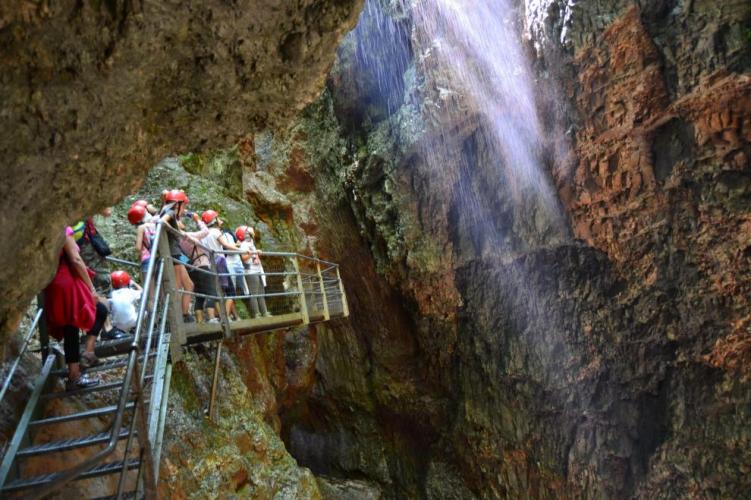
303 304
246 326
175 310
345 306
323 292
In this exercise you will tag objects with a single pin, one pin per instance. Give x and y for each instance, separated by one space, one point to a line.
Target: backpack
84 230
79 231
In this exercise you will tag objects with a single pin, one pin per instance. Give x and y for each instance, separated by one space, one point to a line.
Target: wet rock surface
518 358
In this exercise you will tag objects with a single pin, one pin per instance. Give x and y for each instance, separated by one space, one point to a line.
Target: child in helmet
139 216
219 240
125 295
254 274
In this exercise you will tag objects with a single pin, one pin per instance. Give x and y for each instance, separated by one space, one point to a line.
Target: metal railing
24 346
295 290
133 383
293 284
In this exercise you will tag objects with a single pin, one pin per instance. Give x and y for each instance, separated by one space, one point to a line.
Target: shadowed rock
94 93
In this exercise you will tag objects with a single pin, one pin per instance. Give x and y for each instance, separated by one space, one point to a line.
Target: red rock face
650 167
613 368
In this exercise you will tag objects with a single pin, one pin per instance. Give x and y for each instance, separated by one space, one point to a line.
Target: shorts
145 266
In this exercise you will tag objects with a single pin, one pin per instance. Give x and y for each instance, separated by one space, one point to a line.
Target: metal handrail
234 297
134 379
124 262
241 252
25 346
99 457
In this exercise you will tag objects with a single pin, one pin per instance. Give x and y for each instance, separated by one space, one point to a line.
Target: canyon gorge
541 210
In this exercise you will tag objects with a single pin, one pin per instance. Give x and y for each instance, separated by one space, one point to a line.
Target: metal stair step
99 470
95 412
69 444
96 388
110 365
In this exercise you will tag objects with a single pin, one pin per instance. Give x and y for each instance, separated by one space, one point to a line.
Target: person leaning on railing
202 277
174 208
71 303
254 274
219 240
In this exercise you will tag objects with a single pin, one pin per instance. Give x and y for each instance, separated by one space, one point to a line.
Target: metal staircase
125 414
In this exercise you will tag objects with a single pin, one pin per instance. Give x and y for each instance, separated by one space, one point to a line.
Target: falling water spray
478 44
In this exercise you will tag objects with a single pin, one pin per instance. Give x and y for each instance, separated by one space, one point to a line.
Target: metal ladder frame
132 388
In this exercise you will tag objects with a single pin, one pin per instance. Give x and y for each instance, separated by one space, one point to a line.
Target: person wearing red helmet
151 210
173 209
125 295
138 216
219 240
254 274
209 217
200 273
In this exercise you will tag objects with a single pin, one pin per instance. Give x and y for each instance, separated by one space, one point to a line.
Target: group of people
78 297
236 258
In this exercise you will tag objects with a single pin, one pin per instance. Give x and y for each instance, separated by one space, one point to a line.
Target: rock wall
95 93
497 350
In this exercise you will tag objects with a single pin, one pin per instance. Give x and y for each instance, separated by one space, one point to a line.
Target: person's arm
227 245
139 238
203 229
74 258
135 286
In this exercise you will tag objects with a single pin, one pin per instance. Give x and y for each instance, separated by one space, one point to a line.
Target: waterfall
462 68
477 45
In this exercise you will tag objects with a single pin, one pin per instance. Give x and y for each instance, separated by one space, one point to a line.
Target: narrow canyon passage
538 211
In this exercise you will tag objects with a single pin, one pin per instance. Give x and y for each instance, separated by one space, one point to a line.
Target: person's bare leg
184 282
90 343
74 371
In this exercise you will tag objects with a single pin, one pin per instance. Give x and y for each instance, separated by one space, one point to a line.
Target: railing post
215 382
175 310
44 335
303 304
345 307
326 315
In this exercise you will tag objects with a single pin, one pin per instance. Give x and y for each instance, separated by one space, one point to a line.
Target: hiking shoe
268 314
213 320
89 359
258 316
189 318
82 382
114 334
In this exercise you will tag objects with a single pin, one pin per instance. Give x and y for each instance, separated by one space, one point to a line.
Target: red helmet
140 203
176 196
120 279
241 231
136 214
209 216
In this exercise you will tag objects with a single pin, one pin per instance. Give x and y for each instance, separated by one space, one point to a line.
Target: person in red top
71 303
